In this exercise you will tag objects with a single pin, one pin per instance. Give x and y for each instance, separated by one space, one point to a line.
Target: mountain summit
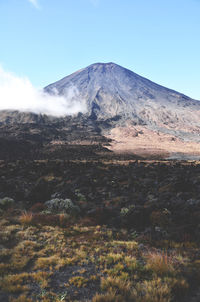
110 90
135 113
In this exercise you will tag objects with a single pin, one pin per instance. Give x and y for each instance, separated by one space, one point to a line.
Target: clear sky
46 40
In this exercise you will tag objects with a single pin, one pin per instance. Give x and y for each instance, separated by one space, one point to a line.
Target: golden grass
42 278
18 262
131 263
153 291
108 297
26 218
78 281
14 283
121 288
46 262
160 263
130 274
132 245
111 258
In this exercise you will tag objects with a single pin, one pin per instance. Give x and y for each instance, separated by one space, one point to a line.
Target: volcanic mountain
135 114
142 114
110 90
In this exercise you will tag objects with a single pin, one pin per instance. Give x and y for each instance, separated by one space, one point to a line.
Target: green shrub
6 203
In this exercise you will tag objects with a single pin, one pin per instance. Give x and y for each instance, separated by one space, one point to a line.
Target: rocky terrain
106 186
43 137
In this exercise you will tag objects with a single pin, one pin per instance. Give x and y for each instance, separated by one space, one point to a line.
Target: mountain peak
103 67
107 65
103 64
109 90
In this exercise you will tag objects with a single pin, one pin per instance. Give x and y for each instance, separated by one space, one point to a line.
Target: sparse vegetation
89 258
127 249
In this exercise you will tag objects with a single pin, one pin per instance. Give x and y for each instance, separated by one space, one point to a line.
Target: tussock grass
78 281
153 291
118 270
160 263
26 218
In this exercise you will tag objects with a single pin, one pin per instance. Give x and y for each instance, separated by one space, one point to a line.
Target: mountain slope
110 90
139 116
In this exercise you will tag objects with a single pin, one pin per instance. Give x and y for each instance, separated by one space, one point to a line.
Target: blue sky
46 40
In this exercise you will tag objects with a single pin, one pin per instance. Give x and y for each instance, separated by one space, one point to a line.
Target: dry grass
14 283
160 263
64 219
26 218
153 291
127 273
21 298
123 290
42 278
46 262
108 297
111 258
78 281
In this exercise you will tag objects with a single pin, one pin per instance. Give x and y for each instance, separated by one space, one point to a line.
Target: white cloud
35 3
17 93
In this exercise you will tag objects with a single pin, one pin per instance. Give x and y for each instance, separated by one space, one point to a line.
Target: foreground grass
91 263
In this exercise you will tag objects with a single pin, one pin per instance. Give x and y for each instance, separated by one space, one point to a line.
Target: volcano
110 90
142 114
135 114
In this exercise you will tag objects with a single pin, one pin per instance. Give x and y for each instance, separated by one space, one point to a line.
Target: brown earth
140 140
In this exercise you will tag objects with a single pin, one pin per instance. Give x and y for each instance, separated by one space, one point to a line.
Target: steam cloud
17 93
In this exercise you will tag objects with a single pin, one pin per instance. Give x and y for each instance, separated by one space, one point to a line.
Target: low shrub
6 203
62 206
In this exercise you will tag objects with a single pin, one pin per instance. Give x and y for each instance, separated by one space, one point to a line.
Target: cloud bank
17 93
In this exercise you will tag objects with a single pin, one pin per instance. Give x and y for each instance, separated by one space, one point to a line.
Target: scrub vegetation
130 236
